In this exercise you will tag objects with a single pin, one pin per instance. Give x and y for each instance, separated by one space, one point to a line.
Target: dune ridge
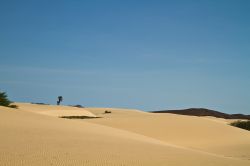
54 110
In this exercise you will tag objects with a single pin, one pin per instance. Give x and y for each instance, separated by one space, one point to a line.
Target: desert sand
34 135
54 110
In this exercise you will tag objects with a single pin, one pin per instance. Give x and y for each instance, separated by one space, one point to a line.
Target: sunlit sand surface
34 135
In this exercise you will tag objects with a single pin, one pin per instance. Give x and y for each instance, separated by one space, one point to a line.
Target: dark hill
205 112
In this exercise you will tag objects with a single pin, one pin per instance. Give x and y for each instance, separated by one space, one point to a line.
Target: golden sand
29 136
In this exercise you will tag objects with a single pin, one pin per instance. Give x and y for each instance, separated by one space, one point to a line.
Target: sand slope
27 138
200 133
54 110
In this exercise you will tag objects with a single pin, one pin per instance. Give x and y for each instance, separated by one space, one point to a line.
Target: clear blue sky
149 55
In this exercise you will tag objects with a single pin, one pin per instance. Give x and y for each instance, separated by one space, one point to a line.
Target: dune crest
54 110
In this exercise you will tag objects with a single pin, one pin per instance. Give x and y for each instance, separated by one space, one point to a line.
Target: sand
123 137
54 110
207 134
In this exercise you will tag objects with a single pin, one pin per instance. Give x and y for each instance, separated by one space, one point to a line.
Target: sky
148 55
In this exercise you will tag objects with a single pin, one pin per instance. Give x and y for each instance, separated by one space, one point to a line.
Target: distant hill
205 112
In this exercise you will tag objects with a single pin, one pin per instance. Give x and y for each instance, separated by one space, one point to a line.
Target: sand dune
28 138
116 112
201 133
54 110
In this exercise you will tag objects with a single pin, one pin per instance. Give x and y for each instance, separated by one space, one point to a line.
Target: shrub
242 124
78 106
40 103
107 112
13 106
78 117
4 101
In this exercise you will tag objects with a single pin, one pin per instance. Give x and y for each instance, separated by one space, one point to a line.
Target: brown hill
205 112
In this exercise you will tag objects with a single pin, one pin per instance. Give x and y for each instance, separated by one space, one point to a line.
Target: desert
124 82
35 134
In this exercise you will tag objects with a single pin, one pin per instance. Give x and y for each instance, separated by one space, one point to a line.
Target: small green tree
4 101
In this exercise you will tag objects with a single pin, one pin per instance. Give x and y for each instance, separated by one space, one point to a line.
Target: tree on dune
60 99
